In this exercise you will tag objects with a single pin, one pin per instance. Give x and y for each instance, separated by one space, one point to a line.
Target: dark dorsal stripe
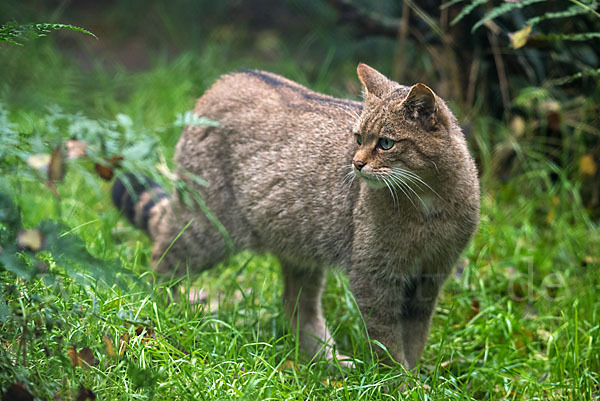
307 94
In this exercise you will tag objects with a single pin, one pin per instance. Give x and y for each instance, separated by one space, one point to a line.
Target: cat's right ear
374 82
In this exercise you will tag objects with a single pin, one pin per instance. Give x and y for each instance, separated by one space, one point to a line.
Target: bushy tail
135 197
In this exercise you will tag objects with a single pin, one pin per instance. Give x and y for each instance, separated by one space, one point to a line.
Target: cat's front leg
380 299
420 294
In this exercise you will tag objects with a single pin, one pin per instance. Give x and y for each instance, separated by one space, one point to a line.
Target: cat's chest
406 239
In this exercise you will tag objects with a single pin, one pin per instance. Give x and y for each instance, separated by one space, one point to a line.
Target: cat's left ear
421 105
374 83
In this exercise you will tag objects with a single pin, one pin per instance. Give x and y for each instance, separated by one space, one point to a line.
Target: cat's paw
343 361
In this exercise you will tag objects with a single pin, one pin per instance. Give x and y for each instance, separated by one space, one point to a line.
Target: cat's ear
421 105
374 82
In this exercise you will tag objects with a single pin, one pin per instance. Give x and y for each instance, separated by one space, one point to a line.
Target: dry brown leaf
85 395
146 331
110 349
76 148
544 334
31 239
74 355
587 165
56 168
518 126
332 383
123 342
551 216
86 355
553 120
288 365
519 291
589 260
106 172
445 364
17 392
475 309
519 39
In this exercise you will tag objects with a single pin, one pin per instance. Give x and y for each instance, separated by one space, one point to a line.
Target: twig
400 56
504 91
470 99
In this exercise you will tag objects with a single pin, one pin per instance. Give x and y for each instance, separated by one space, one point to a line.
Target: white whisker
389 186
413 177
401 184
348 178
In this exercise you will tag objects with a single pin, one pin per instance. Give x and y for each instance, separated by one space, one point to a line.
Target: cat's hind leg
183 239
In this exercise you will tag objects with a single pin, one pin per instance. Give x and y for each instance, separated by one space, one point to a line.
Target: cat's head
402 134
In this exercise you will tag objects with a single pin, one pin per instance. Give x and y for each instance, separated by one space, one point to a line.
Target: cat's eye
385 143
358 139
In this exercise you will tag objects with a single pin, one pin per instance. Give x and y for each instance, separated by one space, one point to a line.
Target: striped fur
135 197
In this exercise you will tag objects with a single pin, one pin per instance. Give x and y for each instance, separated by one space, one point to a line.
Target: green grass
519 321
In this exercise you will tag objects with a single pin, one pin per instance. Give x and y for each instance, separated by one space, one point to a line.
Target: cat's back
277 161
269 101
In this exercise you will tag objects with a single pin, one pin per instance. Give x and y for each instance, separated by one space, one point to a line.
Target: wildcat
385 189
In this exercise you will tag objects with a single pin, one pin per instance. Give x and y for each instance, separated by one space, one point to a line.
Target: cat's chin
372 182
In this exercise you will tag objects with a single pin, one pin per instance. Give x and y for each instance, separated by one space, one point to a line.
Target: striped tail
135 197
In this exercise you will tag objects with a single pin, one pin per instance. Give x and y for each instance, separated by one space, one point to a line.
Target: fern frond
569 12
590 8
15 34
573 37
503 9
467 10
592 72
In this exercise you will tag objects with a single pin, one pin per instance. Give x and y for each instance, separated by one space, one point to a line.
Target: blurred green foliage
519 319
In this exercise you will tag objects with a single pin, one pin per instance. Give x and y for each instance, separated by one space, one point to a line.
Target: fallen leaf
76 149
587 165
475 309
553 120
56 168
39 161
518 126
31 239
288 365
17 392
589 260
106 172
445 364
146 331
544 335
86 355
332 383
74 355
519 39
550 216
519 292
123 342
110 349
85 395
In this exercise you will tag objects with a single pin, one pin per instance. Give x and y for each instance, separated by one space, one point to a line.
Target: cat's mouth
372 180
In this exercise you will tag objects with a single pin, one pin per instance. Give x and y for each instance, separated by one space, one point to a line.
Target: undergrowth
517 320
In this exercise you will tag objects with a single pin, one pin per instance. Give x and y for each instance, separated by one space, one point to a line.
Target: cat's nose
359 164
